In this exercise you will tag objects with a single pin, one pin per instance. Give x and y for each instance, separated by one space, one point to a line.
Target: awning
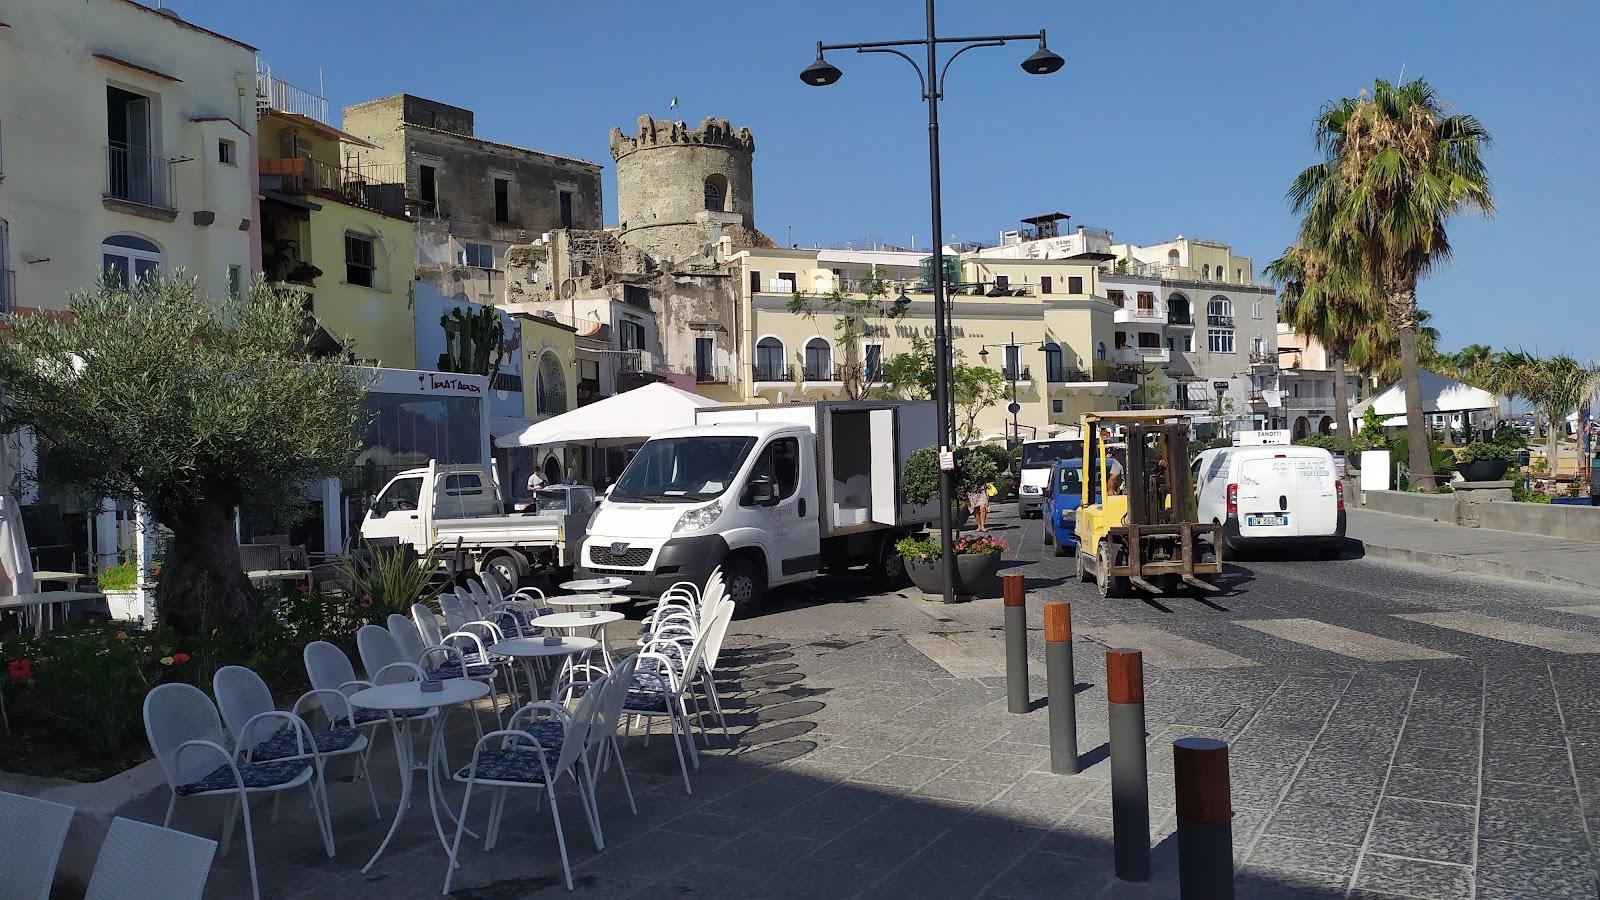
624 418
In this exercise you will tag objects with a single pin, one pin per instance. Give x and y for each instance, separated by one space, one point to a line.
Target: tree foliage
919 480
856 316
910 376
195 407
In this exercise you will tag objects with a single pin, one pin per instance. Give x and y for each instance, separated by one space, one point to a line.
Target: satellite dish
568 288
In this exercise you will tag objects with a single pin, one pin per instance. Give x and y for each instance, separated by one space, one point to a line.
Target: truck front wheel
743 580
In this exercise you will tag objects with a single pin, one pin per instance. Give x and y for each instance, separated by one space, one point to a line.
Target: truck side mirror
761 491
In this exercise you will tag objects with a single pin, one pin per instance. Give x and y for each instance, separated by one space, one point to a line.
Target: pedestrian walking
978 504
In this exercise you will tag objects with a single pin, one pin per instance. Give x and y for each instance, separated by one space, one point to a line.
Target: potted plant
977 556
1484 461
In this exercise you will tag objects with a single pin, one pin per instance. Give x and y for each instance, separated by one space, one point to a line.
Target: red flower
20 669
366 599
180 657
303 588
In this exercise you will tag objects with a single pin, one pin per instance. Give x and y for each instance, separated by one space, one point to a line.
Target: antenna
1402 74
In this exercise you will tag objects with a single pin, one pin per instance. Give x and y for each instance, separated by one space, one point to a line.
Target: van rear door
1286 493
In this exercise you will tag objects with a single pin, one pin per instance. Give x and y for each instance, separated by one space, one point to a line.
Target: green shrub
1325 441
1509 435
920 480
1483 451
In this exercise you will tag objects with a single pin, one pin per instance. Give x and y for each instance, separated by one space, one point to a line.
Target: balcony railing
1216 321
1064 375
823 373
634 362
1026 374
769 372
8 290
712 375
275 93
138 176
1143 355
1179 317
1263 357
1132 313
381 187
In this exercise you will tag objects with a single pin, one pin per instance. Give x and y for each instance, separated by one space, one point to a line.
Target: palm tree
1377 348
1396 167
1330 304
1556 386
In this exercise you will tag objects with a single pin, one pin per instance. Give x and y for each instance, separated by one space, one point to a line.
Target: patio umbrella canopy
16 569
1439 395
626 418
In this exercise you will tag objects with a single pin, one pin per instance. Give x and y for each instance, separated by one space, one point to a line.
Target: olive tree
194 407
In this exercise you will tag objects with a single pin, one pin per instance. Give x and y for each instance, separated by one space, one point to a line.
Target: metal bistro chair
139 861
32 832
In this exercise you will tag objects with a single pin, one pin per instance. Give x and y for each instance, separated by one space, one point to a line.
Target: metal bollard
1016 644
1130 789
1062 687
1205 819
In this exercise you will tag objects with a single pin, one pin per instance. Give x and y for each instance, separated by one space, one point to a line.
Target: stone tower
679 190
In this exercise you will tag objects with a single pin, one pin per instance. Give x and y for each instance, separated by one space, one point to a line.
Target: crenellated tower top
713 132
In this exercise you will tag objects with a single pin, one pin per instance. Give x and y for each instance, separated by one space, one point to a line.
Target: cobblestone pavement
1394 732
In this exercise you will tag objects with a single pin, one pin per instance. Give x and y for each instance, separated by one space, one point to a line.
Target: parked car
1271 496
1063 495
1034 471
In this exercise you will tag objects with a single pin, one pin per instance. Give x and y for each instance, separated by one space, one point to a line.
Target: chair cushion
366 716
287 743
507 765
550 735
255 775
451 668
649 692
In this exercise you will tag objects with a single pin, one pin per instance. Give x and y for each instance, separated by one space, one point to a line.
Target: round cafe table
594 619
587 600
409 695
603 585
529 650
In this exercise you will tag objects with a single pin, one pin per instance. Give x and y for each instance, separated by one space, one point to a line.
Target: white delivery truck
772 494
1264 492
443 507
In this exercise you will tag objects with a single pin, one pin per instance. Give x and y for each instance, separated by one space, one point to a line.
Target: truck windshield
682 468
1043 453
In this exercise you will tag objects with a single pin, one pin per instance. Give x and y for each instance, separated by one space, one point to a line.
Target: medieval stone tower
679 189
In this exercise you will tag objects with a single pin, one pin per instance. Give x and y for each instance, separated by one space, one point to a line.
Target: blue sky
1169 118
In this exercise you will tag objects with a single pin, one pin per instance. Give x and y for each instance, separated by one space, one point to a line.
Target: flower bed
74 699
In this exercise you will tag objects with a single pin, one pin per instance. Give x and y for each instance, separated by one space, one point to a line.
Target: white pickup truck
443 507
772 494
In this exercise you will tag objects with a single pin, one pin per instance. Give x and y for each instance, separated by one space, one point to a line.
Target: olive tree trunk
203 585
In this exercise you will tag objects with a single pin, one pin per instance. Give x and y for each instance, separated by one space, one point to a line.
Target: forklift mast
1159 492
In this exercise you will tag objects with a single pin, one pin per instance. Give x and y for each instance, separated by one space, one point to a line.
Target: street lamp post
1013 372
822 73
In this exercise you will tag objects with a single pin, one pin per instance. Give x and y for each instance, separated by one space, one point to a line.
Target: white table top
577 619
278 573
44 598
607 583
409 695
48 575
587 600
532 647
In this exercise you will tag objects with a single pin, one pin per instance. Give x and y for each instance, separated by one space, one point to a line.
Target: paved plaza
1394 731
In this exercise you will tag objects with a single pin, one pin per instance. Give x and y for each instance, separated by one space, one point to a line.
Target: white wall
53 138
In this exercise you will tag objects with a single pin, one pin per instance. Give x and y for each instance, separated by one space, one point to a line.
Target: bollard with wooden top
1205 818
1060 687
1016 643
1130 790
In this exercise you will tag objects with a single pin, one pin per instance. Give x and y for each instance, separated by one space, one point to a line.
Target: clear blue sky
1169 118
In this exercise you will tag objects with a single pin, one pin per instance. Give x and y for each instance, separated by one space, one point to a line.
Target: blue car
1063 495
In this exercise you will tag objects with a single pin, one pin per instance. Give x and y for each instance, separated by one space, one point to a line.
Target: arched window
1100 350
819 360
125 255
1220 306
1172 257
1054 371
769 360
1219 319
552 386
1178 311
717 192
1205 271
1258 346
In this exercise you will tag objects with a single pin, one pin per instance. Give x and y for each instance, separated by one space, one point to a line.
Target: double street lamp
930 78
1013 370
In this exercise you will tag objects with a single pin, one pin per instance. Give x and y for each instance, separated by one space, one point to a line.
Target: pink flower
21 669
366 599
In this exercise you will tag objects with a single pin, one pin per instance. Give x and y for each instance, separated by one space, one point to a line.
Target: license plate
1266 520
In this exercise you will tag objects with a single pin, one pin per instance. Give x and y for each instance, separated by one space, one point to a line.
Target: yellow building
549 367
339 230
1045 322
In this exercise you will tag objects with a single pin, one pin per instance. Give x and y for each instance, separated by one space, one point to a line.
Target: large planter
973 573
1483 469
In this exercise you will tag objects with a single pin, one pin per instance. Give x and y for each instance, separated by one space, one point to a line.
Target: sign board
1374 470
947 460
1264 438
1221 386
1014 408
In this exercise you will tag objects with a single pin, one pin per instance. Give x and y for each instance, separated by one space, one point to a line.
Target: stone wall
1577 523
662 174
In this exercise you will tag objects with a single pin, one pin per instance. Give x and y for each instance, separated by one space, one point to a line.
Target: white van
1038 457
1272 495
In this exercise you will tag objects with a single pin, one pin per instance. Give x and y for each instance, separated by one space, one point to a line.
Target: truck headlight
696 519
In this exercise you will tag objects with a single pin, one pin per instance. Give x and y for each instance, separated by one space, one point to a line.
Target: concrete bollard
1061 689
1205 819
1130 789
1016 644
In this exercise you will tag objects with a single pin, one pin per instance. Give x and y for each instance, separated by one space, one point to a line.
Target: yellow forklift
1136 526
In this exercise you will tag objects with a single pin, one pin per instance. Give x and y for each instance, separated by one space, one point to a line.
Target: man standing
537 481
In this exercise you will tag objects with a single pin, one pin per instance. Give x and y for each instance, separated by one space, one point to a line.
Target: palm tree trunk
1341 400
1553 439
1420 464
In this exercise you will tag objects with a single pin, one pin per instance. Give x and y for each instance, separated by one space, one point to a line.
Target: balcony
1144 315
637 362
379 187
141 178
1065 375
1142 356
1260 358
588 390
275 93
8 291
772 374
822 373
1216 321
1025 376
1179 318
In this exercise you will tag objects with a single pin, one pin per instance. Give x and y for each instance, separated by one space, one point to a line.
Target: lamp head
822 73
1044 61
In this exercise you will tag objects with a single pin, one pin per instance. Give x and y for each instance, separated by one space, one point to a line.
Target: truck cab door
397 513
781 497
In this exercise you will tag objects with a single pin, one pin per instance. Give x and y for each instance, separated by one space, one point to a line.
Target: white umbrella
16 569
629 417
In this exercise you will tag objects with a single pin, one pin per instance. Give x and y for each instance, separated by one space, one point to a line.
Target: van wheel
507 568
744 583
889 572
